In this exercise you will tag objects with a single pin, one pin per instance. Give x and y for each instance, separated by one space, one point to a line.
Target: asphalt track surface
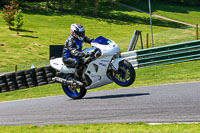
153 104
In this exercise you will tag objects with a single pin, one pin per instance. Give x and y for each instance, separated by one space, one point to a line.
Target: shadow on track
117 96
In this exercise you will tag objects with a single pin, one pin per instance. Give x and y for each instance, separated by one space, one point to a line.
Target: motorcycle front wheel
125 75
76 93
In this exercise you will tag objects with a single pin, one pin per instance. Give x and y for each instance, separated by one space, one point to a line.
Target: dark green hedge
182 2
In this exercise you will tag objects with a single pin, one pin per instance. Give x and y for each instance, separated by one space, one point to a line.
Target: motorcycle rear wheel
77 93
125 75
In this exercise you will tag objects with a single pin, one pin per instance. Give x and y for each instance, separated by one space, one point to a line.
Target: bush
18 20
181 2
9 12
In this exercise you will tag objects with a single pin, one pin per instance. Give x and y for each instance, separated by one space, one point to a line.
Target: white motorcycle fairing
97 69
58 64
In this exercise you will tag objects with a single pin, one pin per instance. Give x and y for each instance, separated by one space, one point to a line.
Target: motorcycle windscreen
102 40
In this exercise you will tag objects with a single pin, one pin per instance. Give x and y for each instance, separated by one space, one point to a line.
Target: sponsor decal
55 63
101 64
104 60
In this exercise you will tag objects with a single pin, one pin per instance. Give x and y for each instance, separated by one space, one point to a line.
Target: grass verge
188 14
43 28
104 128
164 74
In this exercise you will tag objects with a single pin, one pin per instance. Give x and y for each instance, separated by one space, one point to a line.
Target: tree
47 4
73 4
111 1
96 3
18 20
9 12
61 4
53 4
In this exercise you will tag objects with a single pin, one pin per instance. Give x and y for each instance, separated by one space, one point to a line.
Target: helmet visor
80 33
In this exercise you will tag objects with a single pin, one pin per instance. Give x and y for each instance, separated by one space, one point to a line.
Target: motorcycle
105 67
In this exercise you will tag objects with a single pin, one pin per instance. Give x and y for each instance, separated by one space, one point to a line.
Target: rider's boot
79 74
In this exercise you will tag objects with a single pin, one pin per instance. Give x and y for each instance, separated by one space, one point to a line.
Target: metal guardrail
131 57
168 54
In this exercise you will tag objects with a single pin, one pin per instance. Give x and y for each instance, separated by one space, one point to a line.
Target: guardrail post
147 41
197 28
15 68
141 40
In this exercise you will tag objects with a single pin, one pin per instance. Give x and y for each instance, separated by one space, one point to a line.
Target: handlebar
96 53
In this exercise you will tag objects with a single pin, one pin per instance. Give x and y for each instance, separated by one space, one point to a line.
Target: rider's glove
83 54
91 53
91 40
88 54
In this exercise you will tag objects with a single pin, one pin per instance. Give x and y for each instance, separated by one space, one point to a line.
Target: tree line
13 16
183 2
61 4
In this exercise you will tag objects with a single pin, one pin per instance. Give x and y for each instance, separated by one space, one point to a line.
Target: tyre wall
27 78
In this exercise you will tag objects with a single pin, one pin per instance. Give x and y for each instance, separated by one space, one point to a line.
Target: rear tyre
125 75
76 93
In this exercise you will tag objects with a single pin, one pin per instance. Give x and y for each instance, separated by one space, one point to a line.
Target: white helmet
78 31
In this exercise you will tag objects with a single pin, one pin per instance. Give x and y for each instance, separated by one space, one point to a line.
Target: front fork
115 71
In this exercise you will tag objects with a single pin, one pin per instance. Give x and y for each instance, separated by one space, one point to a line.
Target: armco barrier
167 54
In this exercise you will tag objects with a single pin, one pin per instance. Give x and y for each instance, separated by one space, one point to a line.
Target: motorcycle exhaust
66 82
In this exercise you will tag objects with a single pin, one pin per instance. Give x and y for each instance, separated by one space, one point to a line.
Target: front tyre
74 93
125 75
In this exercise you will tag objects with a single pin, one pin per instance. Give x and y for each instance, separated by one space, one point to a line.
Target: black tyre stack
41 76
27 78
50 73
59 74
3 84
31 78
21 80
11 80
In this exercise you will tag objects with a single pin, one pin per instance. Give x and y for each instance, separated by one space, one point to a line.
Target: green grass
104 128
40 31
35 92
43 28
189 14
164 74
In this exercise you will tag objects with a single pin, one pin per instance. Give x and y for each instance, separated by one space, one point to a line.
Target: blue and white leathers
67 53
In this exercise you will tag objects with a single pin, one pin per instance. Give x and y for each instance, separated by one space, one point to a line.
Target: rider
72 52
